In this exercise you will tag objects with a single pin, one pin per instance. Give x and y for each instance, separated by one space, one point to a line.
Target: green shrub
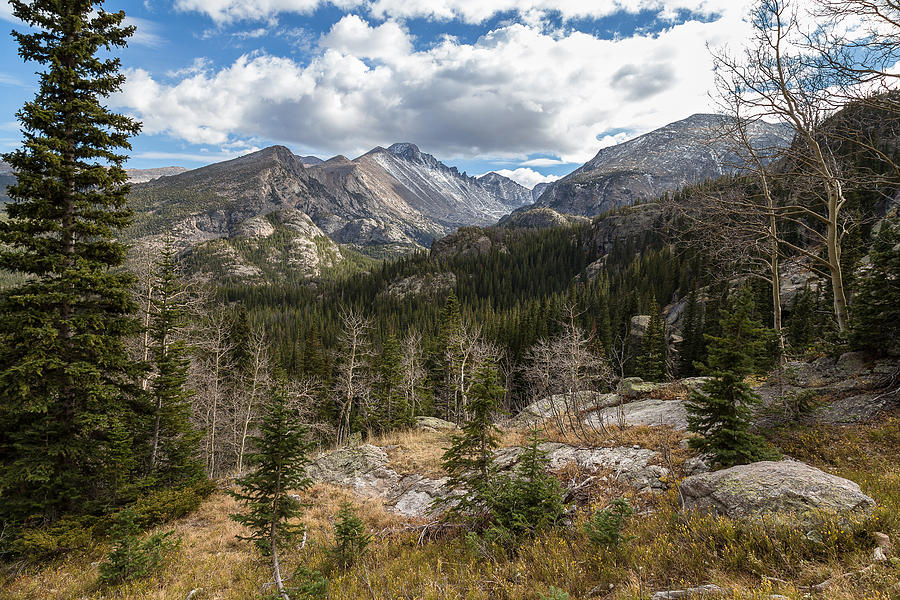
162 506
554 593
42 543
305 584
132 558
528 502
604 528
350 538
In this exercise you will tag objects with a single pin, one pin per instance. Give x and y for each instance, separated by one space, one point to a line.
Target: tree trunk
834 260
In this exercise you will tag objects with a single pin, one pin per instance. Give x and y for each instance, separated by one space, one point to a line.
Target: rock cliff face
681 153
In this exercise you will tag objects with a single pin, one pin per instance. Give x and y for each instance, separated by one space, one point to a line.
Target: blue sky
530 88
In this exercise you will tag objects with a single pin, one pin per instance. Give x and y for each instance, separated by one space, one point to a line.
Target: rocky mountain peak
643 168
407 150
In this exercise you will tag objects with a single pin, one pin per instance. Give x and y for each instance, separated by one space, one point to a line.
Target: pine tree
66 381
721 411
350 538
654 349
174 439
876 307
280 456
393 411
469 461
532 500
692 334
801 325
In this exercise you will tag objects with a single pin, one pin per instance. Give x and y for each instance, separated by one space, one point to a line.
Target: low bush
132 557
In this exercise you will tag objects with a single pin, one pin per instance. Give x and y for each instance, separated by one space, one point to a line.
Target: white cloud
227 11
204 158
6 13
543 162
516 91
10 80
353 36
470 11
145 32
526 177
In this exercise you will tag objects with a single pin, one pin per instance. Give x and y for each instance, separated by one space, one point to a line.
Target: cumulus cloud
353 36
516 91
526 177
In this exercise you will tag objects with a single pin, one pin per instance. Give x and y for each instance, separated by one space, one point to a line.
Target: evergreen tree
66 382
721 411
692 335
876 307
469 461
393 411
350 537
802 321
530 501
174 440
654 349
280 456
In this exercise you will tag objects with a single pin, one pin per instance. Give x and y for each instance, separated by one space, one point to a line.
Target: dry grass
665 550
415 451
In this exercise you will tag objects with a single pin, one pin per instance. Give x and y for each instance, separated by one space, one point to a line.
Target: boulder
703 591
643 412
434 424
416 494
635 387
770 487
362 468
628 464
558 404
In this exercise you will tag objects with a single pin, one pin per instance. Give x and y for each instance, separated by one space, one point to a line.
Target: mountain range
305 215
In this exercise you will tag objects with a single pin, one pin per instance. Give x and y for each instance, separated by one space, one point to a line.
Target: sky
528 88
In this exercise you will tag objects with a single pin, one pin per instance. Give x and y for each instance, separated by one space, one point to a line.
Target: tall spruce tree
69 416
392 410
279 459
721 411
876 307
173 439
469 461
654 349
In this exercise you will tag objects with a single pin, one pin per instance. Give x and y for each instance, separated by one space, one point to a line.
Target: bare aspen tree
565 371
256 382
303 395
775 79
215 347
353 386
413 364
466 352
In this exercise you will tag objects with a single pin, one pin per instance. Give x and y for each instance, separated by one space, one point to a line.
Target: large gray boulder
434 424
364 469
630 465
560 404
643 412
770 487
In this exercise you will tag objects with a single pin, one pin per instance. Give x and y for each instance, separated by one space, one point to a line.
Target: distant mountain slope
145 175
508 191
6 179
666 159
